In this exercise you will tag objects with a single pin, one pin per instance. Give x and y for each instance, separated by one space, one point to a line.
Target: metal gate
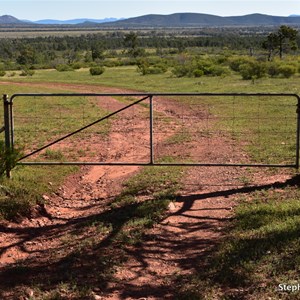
240 121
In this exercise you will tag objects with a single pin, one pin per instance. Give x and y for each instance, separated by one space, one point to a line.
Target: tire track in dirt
177 245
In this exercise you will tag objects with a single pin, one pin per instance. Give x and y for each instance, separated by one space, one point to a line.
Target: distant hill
173 20
9 20
195 19
75 21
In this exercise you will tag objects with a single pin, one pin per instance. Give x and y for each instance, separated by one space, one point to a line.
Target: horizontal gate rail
156 164
147 96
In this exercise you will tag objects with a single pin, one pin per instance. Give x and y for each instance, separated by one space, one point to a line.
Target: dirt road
35 250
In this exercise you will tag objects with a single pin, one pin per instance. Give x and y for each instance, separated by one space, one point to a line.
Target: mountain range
173 20
6 20
75 21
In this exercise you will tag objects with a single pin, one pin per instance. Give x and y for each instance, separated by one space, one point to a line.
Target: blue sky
69 9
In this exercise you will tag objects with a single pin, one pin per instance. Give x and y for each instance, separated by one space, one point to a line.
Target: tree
131 41
281 41
97 51
71 56
27 56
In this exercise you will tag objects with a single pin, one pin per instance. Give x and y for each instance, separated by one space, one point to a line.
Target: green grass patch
179 138
127 77
26 188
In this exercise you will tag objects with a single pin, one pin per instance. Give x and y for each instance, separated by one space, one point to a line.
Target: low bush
273 69
112 63
198 68
8 158
27 72
96 71
11 74
216 70
181 70
253 70
76 66
287 70
63 68
144 67
276 69
2 73
198 73
236 62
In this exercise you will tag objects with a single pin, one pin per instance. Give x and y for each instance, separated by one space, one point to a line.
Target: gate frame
9 128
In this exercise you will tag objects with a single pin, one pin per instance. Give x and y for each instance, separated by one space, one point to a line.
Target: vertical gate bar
7 130
151 131
11 116
298 133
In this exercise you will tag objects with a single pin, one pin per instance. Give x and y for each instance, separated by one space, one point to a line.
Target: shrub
8 158
27 72
2 73
204 65
76 66
63 68
216 71
181 71
144 67
253 70
236 62
277 69
11 74
156 70
128 62
273 69
95 71
287 70
198 73
112 63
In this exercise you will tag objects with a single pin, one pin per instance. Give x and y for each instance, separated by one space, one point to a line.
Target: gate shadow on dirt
90 258
190 199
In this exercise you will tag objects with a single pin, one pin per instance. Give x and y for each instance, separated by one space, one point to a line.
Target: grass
127 77
265 126
26 188
179 138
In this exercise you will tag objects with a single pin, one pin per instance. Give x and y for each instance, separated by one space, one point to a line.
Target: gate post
151 131
7 132
298 133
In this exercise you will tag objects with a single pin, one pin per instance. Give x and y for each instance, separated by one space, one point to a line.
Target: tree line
90 49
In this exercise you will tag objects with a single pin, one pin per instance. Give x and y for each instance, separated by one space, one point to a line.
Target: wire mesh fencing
157 129
232 129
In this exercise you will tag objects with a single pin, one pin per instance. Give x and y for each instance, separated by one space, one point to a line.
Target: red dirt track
176 246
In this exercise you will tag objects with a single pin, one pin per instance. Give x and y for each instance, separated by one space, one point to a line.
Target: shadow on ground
98 244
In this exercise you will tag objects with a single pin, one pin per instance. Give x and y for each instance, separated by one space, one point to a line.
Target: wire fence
186 129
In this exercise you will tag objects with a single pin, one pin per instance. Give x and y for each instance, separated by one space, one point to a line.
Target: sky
99 9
